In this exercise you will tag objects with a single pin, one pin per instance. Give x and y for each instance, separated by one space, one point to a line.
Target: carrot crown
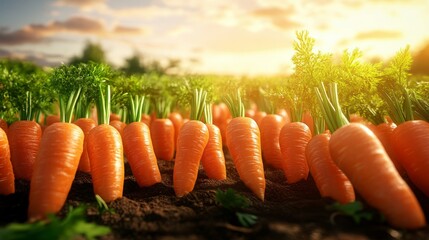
103 104
208 113
235 104
162 107
330 106
135 108
198 103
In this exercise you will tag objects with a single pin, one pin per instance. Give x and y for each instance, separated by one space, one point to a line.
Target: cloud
36 33
378 35
278 17
81 4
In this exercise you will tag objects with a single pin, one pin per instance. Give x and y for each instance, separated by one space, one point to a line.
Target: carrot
293 140
114 117
330 180
259 115
308 120
146 118
24 141
244 144
162 132
4 125
58 157
119 125
270 132
177 120
191 142
384 133
55 168
138 147
213 159
221 118
86 124
7 178
361 156
105 151
410 142
51 119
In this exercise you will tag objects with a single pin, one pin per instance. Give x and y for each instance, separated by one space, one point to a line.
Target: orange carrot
4 125
51 119
191 143
177 120
410 141
221 118
192 140
330 180
56 165
259 115
7 179
114 116
384 133
293 140
270 127
119 125
140 154
105 151
308 120
86 124
146 118
213 159
244 144
162 134
361 156
24 141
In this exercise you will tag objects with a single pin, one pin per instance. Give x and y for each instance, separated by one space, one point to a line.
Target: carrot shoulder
243 138
7 179
361 156
56 165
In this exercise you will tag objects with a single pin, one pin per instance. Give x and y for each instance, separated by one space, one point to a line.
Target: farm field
289 211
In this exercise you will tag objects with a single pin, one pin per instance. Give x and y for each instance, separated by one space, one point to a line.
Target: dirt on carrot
290 211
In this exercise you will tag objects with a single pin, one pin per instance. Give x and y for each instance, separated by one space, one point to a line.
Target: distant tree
133 65
93 52
136 65
421 61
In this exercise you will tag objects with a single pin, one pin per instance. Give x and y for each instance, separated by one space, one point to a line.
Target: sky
241 37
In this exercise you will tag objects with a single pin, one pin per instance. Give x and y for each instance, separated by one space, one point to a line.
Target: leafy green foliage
235 104
235 203
355 210
23 89
102 205
72 226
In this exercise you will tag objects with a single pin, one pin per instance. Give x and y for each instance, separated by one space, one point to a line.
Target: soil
290 211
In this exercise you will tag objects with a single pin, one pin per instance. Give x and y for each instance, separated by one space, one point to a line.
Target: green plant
73 225
235 203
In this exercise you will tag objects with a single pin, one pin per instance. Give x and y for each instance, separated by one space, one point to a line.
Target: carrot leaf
355 210
235 104
197 104
235 203
72 226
